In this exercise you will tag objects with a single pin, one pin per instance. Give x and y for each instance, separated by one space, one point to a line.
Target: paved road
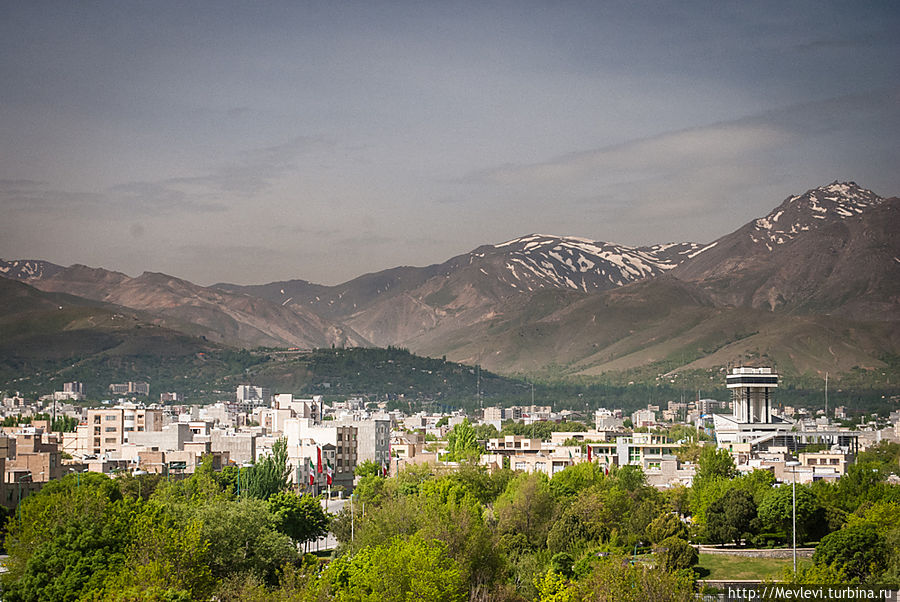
329 542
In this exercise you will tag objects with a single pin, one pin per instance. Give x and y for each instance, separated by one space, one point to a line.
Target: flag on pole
590 454
312 472
384 469
329 474
318 459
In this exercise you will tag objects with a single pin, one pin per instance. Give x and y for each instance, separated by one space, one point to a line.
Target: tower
752 391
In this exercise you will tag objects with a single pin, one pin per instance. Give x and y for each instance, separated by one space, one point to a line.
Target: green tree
715 463
525 510
674 553
66 539
405 569
462 443
243 538
730 517
166 559
665 526
776 513
575 478
300 517
885 454
858 550
590 519
368 468
616 580
270 475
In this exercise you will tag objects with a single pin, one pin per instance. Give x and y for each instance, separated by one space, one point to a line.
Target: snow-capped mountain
540 261
28 269
831 249
812 210
544 300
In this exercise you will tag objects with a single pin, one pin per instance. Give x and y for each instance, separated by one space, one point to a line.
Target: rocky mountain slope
570 306
833 250
230 318
402 305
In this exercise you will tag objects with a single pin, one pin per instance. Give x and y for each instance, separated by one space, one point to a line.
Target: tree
66 539
166 559
674 553
776 512
715 463
573 479
526 509
730 517
858 550
884 453
614 579
405 569
368 468
462 443
270 475
243 538
665 526
300 517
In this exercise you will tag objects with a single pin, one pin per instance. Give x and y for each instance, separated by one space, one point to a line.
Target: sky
253 142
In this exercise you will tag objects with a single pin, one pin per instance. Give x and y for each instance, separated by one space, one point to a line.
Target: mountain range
813 286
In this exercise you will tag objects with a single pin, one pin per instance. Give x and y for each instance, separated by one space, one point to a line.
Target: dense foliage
436 534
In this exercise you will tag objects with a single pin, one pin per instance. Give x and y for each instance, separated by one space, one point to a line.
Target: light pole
240 466
793 464
137 474
19 503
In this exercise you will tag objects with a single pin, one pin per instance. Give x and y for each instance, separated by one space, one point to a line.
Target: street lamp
137 474
793 464
19 503
240 466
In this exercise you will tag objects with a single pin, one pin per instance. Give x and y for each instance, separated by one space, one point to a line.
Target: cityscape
449 302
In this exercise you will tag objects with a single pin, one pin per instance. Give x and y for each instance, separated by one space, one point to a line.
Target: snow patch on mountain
583 264
837 201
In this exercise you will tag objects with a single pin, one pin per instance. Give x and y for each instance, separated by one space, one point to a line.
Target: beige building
37 454
107 429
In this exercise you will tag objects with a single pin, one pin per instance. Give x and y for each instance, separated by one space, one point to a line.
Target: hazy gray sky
251 142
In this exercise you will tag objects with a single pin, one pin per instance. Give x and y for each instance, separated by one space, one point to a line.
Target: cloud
253 172
39 197
694 174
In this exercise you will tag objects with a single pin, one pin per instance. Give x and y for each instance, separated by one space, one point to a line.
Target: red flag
328 474
319 460
384 469
590 454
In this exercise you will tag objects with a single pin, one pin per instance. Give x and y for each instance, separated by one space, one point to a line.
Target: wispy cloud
253 172
684 174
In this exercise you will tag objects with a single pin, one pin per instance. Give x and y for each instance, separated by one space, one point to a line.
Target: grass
726 567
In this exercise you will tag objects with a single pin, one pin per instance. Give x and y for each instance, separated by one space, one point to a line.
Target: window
110 429
110 418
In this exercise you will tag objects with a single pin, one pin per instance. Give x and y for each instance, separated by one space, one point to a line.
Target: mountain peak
808 211
541 260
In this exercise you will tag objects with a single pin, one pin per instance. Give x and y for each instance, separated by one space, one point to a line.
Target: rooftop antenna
826 395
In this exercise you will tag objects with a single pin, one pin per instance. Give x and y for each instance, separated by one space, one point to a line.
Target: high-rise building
752 391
